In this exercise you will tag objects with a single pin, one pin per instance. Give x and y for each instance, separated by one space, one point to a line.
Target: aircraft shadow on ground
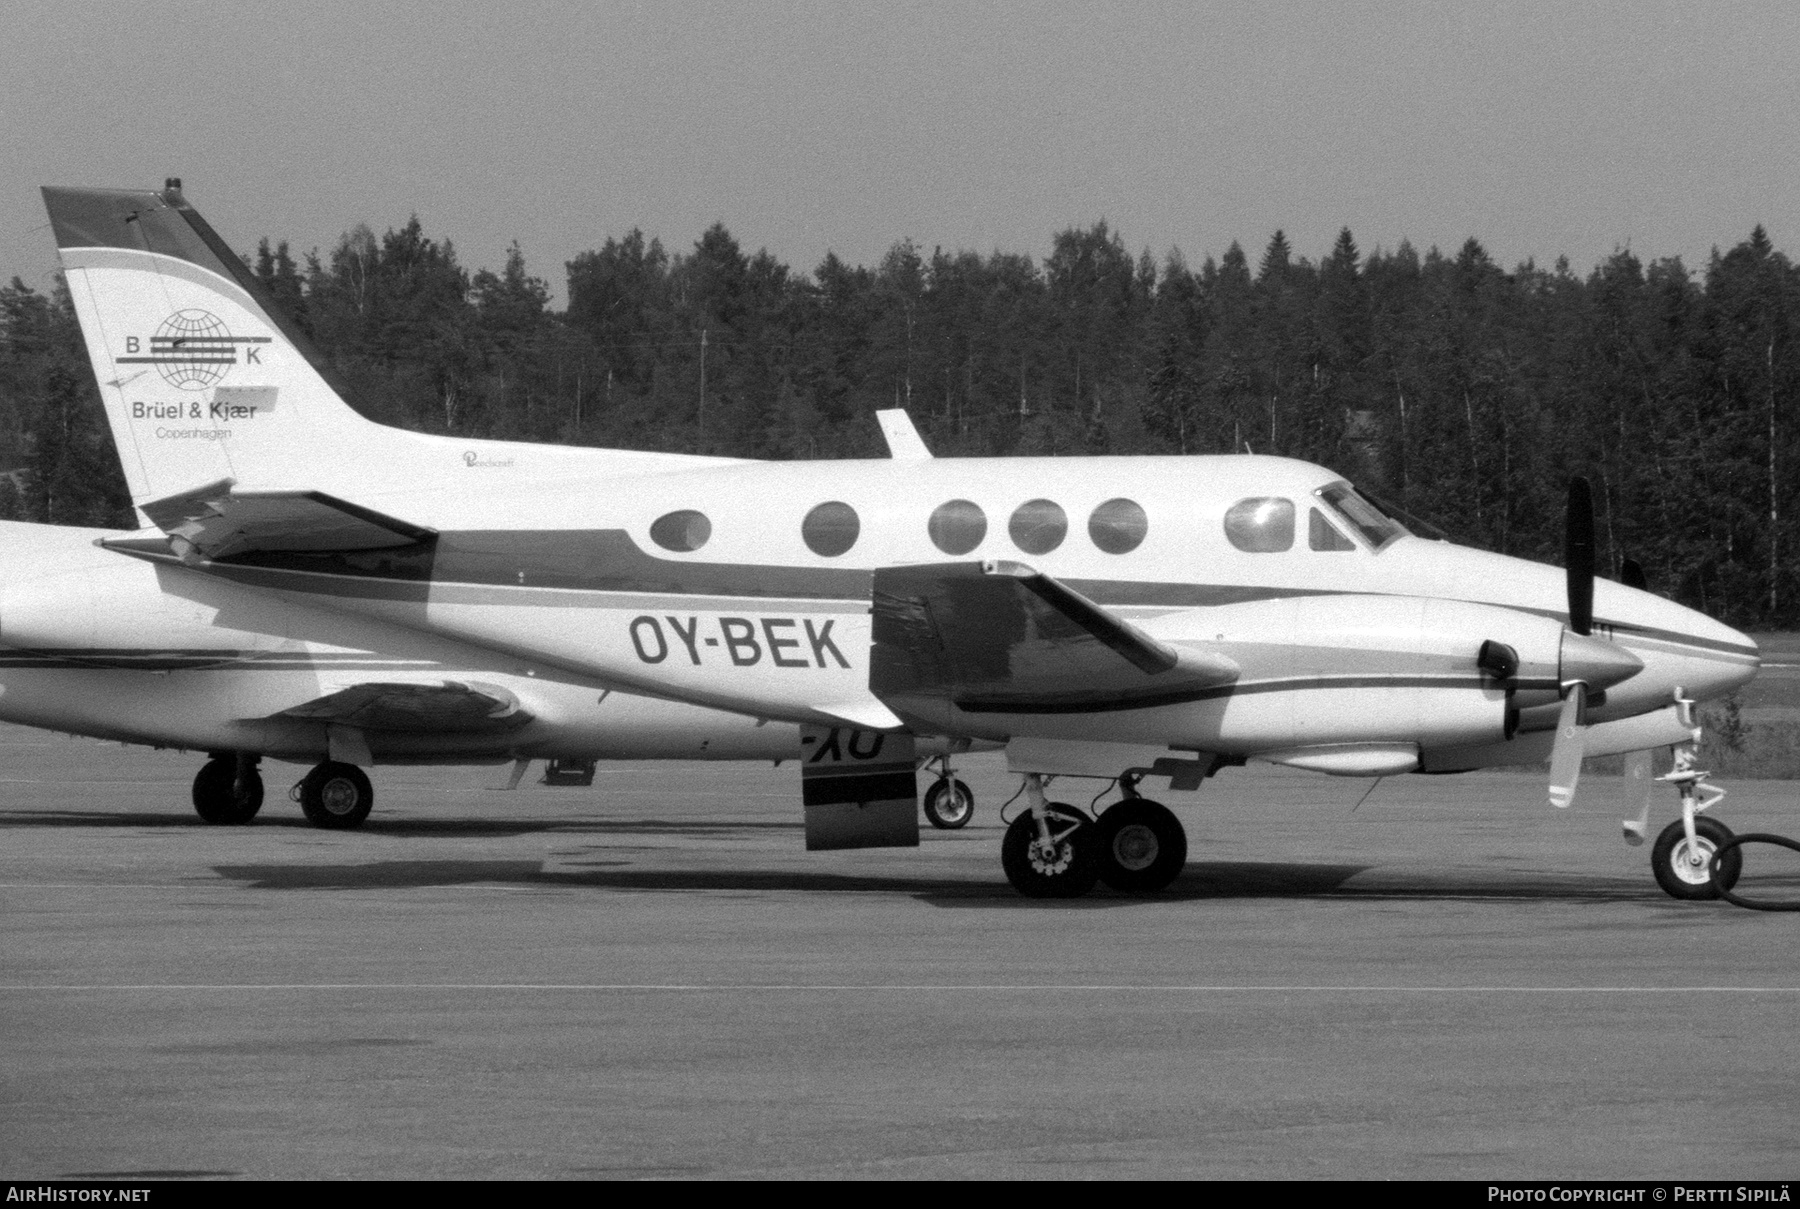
89 818
469 828
433 828
1204 880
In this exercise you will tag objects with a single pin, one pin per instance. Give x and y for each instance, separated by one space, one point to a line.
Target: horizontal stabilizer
1002 638
215 521
417 708
869 714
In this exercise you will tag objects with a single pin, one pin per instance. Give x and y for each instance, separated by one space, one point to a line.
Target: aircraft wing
216 521
1000 637
429 708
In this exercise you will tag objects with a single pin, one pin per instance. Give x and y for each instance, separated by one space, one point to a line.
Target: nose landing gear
1683 864
1682 858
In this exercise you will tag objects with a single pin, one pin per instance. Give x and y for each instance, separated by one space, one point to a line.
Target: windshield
1376 526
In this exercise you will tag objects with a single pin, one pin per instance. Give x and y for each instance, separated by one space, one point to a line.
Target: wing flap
450 705
217 521
1000 637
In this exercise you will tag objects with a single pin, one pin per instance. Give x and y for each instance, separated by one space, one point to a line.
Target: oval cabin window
1118 526
957 526
1038 526
1261 524
830 529
681 531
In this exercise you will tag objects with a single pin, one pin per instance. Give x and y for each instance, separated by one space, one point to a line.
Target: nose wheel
335 796
1683 867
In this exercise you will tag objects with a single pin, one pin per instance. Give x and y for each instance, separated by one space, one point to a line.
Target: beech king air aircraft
1111 617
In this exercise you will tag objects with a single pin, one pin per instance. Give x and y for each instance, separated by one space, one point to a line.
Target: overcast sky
1540 128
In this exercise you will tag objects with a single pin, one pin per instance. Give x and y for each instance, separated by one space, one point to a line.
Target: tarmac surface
651 978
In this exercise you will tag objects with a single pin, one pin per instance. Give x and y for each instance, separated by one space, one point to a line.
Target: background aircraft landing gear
228 789
1684 870
1141 846
335 795
949 803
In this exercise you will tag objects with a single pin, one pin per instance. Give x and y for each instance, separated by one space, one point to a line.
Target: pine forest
1458 391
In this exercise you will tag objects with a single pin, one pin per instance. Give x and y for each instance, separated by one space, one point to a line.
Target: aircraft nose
1746 672
1720 660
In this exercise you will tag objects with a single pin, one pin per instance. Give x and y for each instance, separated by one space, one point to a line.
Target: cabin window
1376 526
830 529
1262 524
681 531
1038 526
1118 526
1321 534
957 526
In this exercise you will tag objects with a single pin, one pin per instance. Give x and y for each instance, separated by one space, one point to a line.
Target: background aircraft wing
447 706
1002 638
216 521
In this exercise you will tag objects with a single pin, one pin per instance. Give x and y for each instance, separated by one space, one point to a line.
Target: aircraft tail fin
201 375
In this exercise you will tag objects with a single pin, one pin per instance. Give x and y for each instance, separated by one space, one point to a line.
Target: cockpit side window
1262 524
1375 526
1321 534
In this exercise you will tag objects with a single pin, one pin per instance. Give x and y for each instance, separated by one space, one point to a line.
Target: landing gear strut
335 795
949 803
228 790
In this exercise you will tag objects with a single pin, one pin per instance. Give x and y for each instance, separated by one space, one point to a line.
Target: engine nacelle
1345 669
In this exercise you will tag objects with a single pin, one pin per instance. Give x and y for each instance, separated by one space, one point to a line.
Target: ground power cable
1738 900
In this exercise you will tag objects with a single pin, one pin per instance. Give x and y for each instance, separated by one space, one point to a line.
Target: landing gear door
859 788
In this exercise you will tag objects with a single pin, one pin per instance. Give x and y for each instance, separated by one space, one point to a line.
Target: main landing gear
229 790
1055 850
335 795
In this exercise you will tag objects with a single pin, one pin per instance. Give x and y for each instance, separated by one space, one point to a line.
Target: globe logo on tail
192 350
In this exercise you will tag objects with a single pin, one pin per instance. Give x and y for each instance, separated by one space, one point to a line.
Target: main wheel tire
217 798
1142 846
1686 873
1068 869
949 804
336 796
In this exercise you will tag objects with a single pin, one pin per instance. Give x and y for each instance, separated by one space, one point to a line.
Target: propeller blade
1638 777
1631 574
1578 555
1569 747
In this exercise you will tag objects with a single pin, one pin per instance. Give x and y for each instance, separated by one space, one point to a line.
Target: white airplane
1110 617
